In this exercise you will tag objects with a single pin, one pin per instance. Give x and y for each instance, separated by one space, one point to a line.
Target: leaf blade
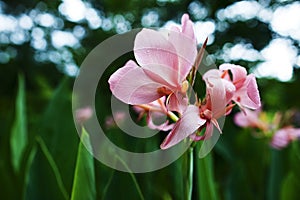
84 177
18 139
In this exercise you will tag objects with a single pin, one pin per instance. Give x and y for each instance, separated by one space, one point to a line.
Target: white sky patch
54 56
240 52
8 23
74 10
63 38
280 56
265 15
168 25
286 20
93 18
45 19
39 44
19 37
37 33
204 30
78 31
25 22
298 61
107 24
121 24
197 10
123 27
242 10
71 69
150 19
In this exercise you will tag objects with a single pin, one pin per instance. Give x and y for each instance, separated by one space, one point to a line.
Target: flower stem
190 173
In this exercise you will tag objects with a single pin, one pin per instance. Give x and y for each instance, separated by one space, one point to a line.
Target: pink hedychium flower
155 110
246 93
164 61
250 118
284 136
202 115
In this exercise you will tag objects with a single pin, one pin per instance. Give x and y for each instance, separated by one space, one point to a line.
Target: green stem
190 173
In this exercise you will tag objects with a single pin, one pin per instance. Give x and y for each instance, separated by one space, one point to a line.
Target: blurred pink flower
83 114
165 60
250 118
154 111
284 136
112 121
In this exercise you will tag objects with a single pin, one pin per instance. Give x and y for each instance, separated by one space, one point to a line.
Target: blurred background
42 45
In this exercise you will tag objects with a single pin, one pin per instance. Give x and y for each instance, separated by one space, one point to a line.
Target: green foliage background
41 156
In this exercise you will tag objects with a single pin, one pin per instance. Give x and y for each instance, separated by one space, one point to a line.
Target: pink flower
284 136
155 111
83 114
249 118
184 127
198 117
117 118
165 60
246 94
216 75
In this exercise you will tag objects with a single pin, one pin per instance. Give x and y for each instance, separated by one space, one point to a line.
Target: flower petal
280 139
156 55
177 102
116 76
248 118
208 130
131 90
187 26
165 126
252 90
185 126
248 95
238 73
216 96
186 46
227 85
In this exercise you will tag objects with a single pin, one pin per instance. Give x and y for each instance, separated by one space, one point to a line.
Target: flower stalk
190 173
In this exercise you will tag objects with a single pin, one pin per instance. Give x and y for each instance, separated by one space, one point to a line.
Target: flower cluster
158 83
281 135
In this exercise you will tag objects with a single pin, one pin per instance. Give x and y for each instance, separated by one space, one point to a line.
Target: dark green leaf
57 131
205 176
18 139
290 187
84 178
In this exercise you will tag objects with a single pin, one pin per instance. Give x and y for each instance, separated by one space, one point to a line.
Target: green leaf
276 174
18 140
54 167
290 187
84 178
135 182
57 131
205 176
28 166
52 187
